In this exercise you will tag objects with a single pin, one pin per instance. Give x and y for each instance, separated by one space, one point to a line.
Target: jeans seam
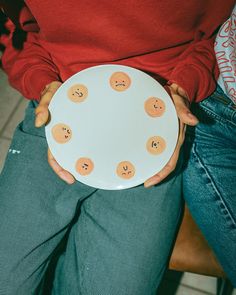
220 119
83 275
211 181
83 287
217 117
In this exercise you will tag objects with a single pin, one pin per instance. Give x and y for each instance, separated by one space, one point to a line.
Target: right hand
185 116
42 116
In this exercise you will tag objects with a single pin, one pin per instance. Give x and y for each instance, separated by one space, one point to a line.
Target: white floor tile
204 283
15 119
182 290
4 146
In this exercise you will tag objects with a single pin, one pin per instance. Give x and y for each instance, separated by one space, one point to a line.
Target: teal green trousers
65 239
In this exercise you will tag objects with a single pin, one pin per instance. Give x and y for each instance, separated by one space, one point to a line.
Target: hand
180 100
42 116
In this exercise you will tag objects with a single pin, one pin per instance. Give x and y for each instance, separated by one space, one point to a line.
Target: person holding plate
58 235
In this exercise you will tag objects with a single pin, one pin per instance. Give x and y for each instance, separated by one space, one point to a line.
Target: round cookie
84 166
154 107
77 93
61 133
156 145
125 170
120 81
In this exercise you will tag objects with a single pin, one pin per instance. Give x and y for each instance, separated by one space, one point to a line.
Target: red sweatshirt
169 39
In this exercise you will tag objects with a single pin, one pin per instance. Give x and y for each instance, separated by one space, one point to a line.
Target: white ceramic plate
112 126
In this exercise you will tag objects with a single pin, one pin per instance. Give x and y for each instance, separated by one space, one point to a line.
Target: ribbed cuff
35 82
188 79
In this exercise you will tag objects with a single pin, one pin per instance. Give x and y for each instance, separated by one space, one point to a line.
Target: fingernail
153 181
67 178
149 183
192 117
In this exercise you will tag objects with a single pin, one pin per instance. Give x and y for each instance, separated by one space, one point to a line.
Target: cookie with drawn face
154 107
77 93
84 166
156 145
120 81
61 133
125 170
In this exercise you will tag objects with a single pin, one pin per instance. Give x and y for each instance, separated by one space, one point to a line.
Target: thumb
42 112
183 111
180 99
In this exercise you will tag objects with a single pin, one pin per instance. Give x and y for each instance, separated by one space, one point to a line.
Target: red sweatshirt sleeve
30 69
196 71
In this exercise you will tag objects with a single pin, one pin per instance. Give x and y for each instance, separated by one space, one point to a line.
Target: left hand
181 103
42 117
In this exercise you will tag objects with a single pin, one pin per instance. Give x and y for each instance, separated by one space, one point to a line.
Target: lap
116 236
122 241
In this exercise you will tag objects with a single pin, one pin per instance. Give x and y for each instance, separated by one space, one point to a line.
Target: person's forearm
29 69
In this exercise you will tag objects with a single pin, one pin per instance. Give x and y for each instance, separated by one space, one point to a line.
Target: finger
183 111
41 112
62 173
170 166
182 130
161 175
41 118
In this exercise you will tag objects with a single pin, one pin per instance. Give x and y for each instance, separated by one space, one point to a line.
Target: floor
12 106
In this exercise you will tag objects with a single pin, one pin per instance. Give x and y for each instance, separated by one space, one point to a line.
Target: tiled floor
12 106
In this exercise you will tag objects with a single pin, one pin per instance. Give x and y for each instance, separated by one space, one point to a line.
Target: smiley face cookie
77 93
61 133
84 166
156 145
125 170
154 107
120 81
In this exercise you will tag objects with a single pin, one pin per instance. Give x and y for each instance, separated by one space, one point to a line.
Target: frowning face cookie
125 170
61 133
156 145
154 107
120 81
84 166
77 93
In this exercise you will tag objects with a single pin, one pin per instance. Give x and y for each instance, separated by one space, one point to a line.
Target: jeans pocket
218 107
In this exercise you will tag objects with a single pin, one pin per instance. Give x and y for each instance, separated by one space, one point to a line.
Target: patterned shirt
225 48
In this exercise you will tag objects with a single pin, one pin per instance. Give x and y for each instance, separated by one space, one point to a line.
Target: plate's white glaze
112 126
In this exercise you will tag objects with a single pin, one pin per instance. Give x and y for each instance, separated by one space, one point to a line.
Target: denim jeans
75 239
210 176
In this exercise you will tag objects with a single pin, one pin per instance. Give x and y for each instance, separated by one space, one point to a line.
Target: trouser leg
121 242
36 209
210 177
